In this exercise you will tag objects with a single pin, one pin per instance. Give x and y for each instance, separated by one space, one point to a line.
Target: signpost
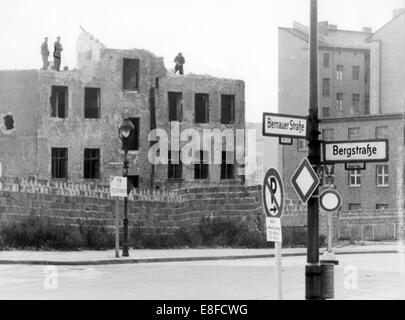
280 125
305 180
118 187
273 200
356 151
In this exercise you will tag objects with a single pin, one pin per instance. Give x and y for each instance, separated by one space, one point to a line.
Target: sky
225 38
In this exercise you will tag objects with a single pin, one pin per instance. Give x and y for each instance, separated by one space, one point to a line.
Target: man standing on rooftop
57 54
45 54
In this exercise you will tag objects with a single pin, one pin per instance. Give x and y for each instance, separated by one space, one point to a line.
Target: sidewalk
171 255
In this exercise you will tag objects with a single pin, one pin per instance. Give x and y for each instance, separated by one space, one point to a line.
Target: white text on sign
359 151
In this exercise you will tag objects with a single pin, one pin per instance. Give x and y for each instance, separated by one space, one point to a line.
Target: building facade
64 125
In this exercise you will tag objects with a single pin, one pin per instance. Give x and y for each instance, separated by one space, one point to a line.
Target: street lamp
125 129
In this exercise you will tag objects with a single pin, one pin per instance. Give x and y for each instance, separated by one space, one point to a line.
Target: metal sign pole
117 227
278 271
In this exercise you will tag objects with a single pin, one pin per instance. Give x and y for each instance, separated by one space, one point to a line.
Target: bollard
327 281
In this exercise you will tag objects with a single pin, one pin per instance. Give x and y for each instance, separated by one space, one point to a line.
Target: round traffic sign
273 194
330 200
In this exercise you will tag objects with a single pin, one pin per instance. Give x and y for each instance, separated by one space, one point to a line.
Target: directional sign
273 230
355 166
273 194
281 125
330 200
356 151
305 180
114 165
118 187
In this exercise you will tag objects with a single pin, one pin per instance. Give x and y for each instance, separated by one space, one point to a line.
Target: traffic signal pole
313 268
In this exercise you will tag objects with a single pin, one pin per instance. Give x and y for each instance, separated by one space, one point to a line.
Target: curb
176 259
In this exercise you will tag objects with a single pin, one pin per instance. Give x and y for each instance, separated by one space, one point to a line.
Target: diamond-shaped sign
305 180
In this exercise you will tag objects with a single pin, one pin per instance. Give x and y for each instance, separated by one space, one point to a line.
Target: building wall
392 81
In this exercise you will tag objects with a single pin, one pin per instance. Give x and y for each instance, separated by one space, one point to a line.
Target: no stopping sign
273 194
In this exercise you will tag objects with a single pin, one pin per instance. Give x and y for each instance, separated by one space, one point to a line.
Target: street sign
285 141
356 151
118 187
305 180
330 200
273 230
355 166
273 194
281 125
114 165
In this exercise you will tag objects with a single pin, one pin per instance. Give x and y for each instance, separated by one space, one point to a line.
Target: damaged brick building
64 125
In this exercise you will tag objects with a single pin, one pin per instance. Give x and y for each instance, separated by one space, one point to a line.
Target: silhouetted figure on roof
179 60
57 54
45 54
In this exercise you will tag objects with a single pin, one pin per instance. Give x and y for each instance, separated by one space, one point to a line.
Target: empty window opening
175 166
201 108
8 122
59 163
227 109
92 103
59 101
228 165
91 163
175 106
201 165
157 83
133 182
131 74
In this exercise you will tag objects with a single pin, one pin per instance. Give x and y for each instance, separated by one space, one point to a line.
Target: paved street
379 277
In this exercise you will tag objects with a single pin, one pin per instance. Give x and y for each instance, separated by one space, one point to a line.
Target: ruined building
64 125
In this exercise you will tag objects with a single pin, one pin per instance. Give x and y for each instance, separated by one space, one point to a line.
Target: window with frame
381 206
354 178
302 144
326 112
175 106
353 133
175 167
228 165
201 104
381 132
354 206
227 108
339 72
367 104
92 103
59 101
91 163
356 102
326 59
339 101
131 74
356 72
382 177
201 166
328 134
59 164
326 87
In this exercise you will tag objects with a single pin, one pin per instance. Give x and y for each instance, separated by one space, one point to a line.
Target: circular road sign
330 200
273 194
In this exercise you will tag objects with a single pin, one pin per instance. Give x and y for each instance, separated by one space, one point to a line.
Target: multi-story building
361 96
64 125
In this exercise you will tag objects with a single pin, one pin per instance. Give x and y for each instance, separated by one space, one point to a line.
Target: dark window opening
8 122
175 166
92 103
326 87
227 109
228 165
59 101
133 139
59 163
201 108
157 83
131 74
201 165
133 183
91 163
175 106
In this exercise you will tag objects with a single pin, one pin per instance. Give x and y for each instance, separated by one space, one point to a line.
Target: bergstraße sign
356 151
282 125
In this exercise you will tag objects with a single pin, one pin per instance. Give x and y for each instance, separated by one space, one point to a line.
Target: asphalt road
363 276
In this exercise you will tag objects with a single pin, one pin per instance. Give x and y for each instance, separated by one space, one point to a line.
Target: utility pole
313 268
